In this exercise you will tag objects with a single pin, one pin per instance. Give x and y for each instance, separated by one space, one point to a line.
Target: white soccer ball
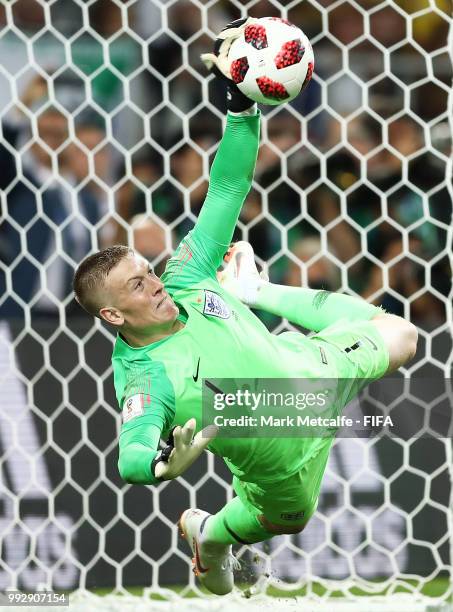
272 61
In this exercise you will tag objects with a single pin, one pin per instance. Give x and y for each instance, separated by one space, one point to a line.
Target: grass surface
434 588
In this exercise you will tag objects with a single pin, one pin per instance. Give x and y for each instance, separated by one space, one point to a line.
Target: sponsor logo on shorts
292 516
215 306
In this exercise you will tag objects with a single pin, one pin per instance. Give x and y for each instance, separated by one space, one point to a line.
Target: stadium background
109 124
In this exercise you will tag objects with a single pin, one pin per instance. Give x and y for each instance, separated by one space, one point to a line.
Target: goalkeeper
175 331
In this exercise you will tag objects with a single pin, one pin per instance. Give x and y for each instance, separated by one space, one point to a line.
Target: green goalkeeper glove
218 63
182 450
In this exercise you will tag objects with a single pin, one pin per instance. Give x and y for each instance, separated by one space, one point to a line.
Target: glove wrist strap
163 455
154 462
236 101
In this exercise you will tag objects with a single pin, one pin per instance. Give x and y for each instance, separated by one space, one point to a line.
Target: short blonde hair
90 276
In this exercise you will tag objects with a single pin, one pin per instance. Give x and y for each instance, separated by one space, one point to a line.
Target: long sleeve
138 448
146 399
201 252
230 179
311 308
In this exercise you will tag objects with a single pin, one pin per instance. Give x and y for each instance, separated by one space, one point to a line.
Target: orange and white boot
212 563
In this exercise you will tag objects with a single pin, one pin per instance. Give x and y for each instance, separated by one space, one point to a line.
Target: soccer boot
240 275
212 563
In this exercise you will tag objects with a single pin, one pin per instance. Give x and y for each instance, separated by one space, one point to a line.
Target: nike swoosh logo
199 567
195 376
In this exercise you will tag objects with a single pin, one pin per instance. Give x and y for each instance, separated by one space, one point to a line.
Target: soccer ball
272 61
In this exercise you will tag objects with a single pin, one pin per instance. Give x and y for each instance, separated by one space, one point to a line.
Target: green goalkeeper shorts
356 349
291 501
357 355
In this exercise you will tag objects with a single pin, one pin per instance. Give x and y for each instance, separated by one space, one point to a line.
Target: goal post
108 124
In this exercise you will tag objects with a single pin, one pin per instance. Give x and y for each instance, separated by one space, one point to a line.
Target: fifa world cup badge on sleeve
133 407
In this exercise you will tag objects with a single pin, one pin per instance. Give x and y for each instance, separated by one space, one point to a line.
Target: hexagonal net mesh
109 123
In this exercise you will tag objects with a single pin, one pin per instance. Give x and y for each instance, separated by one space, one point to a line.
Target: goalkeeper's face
136 297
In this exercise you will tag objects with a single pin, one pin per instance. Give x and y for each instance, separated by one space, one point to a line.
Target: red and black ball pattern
255 35
272 89
238 69
309 74
291 53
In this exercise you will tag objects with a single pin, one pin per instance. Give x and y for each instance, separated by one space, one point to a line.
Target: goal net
108 127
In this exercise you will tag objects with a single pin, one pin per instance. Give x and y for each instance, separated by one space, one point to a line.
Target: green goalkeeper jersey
160 385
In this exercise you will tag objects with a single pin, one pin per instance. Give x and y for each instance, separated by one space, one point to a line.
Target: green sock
311 308
234 524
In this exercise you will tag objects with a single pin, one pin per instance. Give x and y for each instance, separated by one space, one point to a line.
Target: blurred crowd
110 150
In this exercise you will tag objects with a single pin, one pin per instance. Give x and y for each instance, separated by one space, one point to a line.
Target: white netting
108 127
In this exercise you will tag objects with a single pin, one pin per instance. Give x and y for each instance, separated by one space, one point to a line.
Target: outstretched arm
234 164
201 251
230 180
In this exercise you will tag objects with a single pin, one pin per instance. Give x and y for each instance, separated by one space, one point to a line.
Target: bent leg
234 524
369 349
286 506
400 338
